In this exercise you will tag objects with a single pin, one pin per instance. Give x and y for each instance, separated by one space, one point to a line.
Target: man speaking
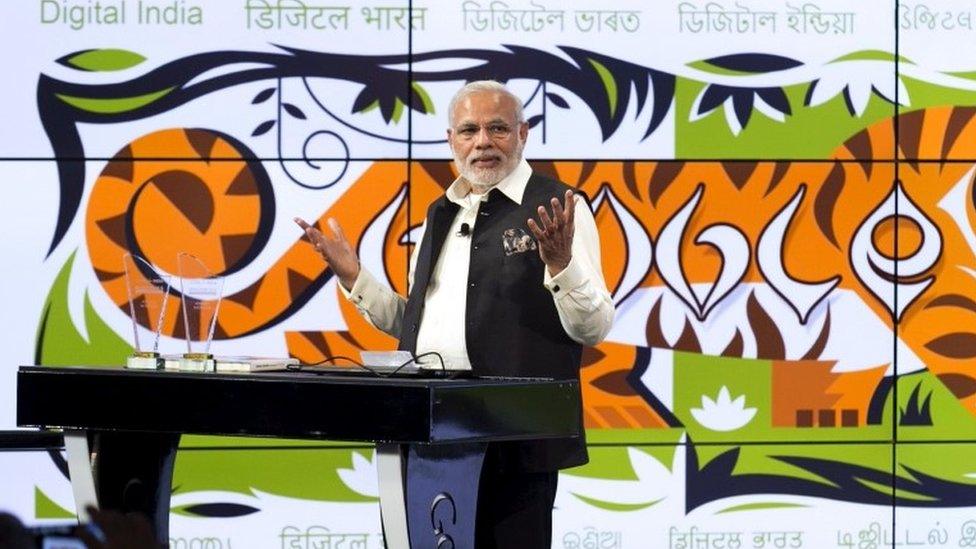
507 282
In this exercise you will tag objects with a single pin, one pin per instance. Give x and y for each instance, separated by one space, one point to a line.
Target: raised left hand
555 234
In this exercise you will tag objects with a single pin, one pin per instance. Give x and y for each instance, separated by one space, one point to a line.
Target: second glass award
200 293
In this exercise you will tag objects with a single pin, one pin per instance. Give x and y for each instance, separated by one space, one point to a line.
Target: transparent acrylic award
148 292
200 292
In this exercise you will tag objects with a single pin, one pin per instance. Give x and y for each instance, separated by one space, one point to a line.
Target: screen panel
700 131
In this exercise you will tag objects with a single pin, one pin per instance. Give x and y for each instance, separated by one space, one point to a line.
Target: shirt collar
512 186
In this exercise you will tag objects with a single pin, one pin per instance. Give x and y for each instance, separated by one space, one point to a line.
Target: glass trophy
200 293
148 293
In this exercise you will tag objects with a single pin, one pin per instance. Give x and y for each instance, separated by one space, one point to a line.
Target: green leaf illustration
102 60
760 507
968 75
113 105
705 66
47 508
897 492
618 507
871 55
609 83
424 97
397 111
271 471
59 342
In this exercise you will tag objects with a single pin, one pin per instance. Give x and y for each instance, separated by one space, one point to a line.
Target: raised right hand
337 252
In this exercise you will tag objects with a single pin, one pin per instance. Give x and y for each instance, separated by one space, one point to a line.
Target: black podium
122 428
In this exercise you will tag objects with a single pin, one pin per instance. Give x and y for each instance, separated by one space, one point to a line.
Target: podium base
144 361
197 362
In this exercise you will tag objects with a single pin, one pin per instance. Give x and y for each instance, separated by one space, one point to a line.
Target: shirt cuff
572 277
364 287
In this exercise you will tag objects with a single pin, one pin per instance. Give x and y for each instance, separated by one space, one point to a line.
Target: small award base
144 360
197 362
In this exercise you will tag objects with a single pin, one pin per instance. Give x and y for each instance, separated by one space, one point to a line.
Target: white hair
481 86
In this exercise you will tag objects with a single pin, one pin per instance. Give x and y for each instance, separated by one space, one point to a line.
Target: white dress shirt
579 291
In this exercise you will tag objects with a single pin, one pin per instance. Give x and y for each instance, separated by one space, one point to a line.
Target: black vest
512 327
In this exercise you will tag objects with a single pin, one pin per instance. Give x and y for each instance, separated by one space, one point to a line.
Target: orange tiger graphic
898 237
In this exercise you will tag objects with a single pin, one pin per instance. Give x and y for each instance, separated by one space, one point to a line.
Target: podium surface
135 419
297 405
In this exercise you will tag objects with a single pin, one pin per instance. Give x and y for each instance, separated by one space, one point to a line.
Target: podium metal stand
430 434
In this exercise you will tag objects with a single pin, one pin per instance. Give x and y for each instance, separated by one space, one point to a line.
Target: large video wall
784 192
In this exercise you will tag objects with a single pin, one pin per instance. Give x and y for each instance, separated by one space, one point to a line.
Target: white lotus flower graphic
657 486
653 483
723 413
362 477
857 79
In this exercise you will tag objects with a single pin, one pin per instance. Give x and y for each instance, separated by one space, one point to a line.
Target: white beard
483 179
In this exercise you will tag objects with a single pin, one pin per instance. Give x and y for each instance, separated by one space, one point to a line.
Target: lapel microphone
465 230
